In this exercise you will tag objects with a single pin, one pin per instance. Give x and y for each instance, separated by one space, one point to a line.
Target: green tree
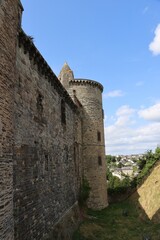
110 159
157 153
108 174
126 182
118 158
120 165
149 156
141 163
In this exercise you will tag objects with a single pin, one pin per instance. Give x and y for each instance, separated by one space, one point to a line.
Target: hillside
147 196
135 219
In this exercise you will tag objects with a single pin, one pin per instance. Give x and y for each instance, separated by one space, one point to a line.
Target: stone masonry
51 137
9 23
88 96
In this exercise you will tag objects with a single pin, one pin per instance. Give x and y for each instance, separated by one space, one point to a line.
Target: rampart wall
9 22
48 140
45 166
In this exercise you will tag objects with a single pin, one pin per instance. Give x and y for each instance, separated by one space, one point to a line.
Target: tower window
63 112
98 136
99 161
102 113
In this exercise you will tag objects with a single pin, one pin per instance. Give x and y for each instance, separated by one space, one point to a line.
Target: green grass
119 221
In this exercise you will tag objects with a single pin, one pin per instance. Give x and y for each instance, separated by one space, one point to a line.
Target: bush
84 193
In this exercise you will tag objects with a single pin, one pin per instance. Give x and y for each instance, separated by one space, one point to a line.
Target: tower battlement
82 81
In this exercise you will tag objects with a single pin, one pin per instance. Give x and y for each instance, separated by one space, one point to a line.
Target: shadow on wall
147 196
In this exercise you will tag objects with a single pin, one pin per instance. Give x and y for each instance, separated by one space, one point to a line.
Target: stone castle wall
9 13
48 140
45 166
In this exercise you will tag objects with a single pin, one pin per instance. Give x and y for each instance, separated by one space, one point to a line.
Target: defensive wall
51 137
9 24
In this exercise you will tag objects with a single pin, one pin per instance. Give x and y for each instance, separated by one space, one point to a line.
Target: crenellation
80 81
42 66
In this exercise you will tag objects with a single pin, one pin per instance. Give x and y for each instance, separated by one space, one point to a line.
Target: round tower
89 93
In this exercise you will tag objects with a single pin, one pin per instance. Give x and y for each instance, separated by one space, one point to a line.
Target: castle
51 137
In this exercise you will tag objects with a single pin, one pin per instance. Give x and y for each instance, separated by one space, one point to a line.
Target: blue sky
115 42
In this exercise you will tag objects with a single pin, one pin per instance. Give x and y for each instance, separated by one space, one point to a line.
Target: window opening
98 136
63 112
99 161
39 103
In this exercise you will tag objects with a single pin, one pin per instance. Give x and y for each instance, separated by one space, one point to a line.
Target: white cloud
123 136
154 46
152 113
124 110
124 116
115 93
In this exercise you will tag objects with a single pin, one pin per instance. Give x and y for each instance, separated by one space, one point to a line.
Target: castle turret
89 93
10 17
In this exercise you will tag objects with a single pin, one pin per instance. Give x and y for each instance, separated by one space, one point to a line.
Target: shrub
84 192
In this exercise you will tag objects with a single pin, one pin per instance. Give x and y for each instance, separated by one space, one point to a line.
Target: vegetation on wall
84 193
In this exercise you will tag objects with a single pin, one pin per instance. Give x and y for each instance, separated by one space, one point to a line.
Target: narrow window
98 136
39 103
63 112
102 113
19 81
99 161
46 162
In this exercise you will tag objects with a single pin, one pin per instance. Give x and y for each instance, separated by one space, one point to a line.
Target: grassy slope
142 207
147 196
